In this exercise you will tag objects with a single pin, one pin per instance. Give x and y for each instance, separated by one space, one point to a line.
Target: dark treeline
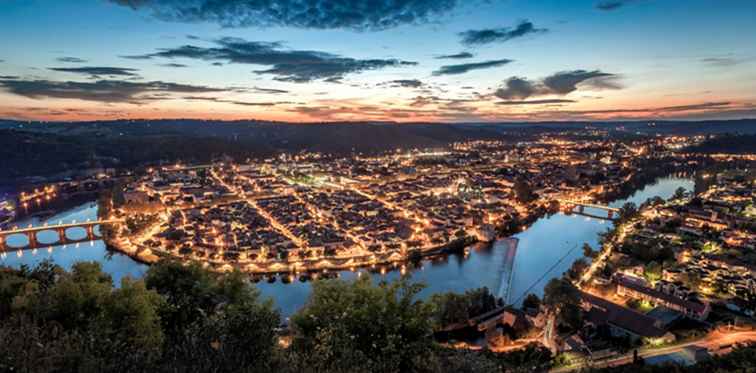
729 144
47 149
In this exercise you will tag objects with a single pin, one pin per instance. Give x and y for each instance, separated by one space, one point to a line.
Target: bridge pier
62 239
581 209
33 242
90 233
2 243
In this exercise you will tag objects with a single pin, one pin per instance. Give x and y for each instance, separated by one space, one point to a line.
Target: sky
378 60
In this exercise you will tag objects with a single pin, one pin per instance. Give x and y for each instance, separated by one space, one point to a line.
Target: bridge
31 233
581 205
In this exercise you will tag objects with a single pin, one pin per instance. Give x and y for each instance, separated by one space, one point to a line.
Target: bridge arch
16 241
76 234
49 237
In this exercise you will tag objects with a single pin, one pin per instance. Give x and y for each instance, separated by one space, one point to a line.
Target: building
623 321
627 286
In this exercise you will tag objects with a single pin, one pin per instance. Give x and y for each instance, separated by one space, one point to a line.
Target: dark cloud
270 90
721 61
518 89
110 91
193 37
241 103
70 60
457 56
609 5
176 65
408 83
463 68
97 71
560 84
536 102
286 64
311 14
486 36
567 81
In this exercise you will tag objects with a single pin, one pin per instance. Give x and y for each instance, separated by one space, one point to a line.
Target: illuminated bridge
61 230
581 205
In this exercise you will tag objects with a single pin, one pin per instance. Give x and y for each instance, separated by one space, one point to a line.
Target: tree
359 326
451 308
531 301
563 298
628 211
653 272
131 314
560 291
533 358
679 193
588 251
570 315
523 191
577 269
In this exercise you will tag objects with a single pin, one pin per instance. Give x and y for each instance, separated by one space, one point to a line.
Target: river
544 250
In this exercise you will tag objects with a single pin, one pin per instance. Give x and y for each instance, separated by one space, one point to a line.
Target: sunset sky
401 60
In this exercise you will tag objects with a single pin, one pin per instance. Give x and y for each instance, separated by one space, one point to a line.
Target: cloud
108 91
519 89
241 103
362 15
558 84
609 5
70 60
536 102
567 81
499 35
286 64
721 61
96 71
172 64
270 90
463 68
457 56
407 83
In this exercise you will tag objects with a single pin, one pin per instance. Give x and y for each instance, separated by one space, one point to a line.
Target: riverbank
546 239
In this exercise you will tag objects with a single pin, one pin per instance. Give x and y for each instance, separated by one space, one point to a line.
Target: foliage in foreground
185 319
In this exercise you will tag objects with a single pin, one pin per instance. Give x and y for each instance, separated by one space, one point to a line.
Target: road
713 341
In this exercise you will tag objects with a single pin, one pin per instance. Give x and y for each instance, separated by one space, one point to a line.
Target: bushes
179 319
185 319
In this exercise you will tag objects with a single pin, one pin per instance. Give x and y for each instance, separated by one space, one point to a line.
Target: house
623 321
627 286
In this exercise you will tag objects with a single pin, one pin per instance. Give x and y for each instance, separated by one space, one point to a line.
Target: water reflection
118 265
